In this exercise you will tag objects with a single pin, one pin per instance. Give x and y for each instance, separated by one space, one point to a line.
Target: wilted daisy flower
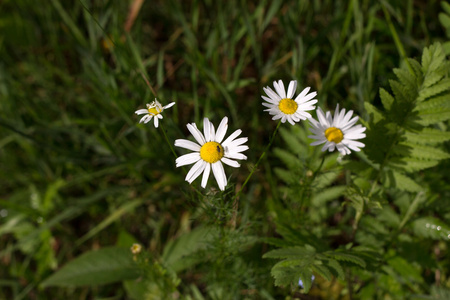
338 132
153 110
211 152
136 248
282 105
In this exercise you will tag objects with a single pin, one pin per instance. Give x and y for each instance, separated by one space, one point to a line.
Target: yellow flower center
334 134
288 106
154 111
211 152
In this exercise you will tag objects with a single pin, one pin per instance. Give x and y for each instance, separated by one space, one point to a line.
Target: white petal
290 120
230 162
303 93
219 174
236 155
186 144
145 119
237 142
231 137
206 174
322 118
207 129
237 149
141 111
272 94
270 100
279 87
169 105
196 133
195 171
306 98
292 88
212 132
155 121
317 143
187 159
221 130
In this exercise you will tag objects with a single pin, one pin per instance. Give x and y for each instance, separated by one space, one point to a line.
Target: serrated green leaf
428 136
323 271
290 275
290 160
437 88
287 176
328 194
429 80
293 142
432 58
177 253
405 269
393 179
430 227
428 117
306 277
403 94
345 256
103 266
444 19
386 99
405 77
424 152
337 267
437 103
375 115
291 252
411 164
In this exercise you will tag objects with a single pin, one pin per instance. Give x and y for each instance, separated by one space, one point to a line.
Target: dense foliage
82 181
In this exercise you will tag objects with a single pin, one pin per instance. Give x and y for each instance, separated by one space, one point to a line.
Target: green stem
176 156
259 160
397 41
167 141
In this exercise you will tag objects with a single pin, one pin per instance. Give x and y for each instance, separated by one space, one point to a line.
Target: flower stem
167 141
259 160
176 156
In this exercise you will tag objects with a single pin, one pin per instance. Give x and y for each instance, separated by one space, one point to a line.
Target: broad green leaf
103 266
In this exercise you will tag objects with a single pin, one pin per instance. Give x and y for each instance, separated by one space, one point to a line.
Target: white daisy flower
338 132
153 110
282 105
211 152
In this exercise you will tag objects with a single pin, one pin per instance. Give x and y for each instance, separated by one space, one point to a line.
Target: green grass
77 170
